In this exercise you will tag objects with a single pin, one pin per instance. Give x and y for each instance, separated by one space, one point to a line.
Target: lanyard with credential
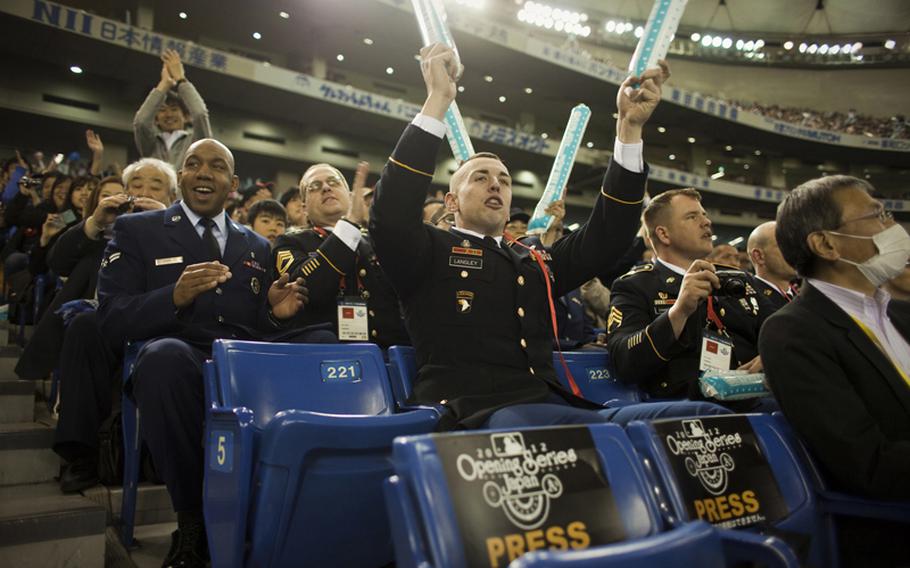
546 276
869 333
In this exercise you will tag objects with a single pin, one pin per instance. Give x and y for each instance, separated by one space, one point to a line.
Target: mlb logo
347 313
711 346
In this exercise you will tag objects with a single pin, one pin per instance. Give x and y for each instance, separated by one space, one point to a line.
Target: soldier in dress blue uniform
182 277
477 306
659 310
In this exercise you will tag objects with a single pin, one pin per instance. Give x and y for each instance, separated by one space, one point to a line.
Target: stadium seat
802 523
594 374
132 447
692 544
402 373
298 444
422 505
838 503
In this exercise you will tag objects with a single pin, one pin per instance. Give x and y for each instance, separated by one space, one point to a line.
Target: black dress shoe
79 475
175 542
192 549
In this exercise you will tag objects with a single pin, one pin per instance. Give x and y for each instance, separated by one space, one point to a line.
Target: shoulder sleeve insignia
283 261
614 320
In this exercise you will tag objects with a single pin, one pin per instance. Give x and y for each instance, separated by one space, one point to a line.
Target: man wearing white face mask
837 357
845 329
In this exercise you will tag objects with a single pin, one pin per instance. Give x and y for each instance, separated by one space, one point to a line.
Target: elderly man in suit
838 356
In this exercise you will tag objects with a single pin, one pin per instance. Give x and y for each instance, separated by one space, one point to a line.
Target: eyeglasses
317 185
884 216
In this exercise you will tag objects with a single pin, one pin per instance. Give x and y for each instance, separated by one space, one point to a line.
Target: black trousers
169 392
89 383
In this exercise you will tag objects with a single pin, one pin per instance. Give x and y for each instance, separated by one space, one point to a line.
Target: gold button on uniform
365 295
723 312
524 344
663 385
372 314
531 370
363 272
521 280
521 312
464 273
373 333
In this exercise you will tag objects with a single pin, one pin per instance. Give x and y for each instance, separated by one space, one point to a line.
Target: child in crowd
268 218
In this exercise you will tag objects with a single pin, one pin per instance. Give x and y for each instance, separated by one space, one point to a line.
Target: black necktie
209 240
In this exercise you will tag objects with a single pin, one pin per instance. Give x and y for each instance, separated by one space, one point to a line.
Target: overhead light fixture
788 45
740 44
389 70
590 144
718 174
76 69
672 156
728 148
368 41
488 78
759 43
749 45
661 129
639 31
746 166
713 237
706 40
803 47
257 35
823 48
736 241
758 152
610 26
340 57
716 41
727 43
182 15
695 36
857 46
502 98
708 162
813 48
529 90
549 17
544 135
890 44
835 49
284 15
460 88
691 139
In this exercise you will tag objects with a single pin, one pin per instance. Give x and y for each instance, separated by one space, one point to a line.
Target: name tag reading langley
168 260
463 257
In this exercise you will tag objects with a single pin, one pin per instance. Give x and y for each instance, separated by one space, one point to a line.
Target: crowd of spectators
301 256
850 122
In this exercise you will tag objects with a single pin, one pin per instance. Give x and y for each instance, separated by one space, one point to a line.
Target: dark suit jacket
477 312
841 393
142 263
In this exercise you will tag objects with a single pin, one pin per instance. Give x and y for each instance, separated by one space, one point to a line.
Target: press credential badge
353 321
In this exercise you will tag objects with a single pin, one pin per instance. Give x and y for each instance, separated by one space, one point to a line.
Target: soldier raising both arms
477 306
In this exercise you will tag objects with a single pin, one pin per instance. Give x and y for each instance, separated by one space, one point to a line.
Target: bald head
217 146
766 257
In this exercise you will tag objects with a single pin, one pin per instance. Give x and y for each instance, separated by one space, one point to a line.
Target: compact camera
127 206
732 283
31 182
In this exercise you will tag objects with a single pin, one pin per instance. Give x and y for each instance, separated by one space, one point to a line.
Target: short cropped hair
457 178
809 208
659 204
168 170
267 207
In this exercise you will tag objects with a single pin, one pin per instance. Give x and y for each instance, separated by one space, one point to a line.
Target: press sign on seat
341 371
222 448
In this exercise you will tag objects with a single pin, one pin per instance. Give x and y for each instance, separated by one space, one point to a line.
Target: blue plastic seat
132 447
298 444
838 503
402 373
805 522
595 376
696 544
425 528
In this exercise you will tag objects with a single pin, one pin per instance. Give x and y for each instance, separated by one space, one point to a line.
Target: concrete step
40 527
17 401
154 541
25 453
9 356
12 333
153 504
